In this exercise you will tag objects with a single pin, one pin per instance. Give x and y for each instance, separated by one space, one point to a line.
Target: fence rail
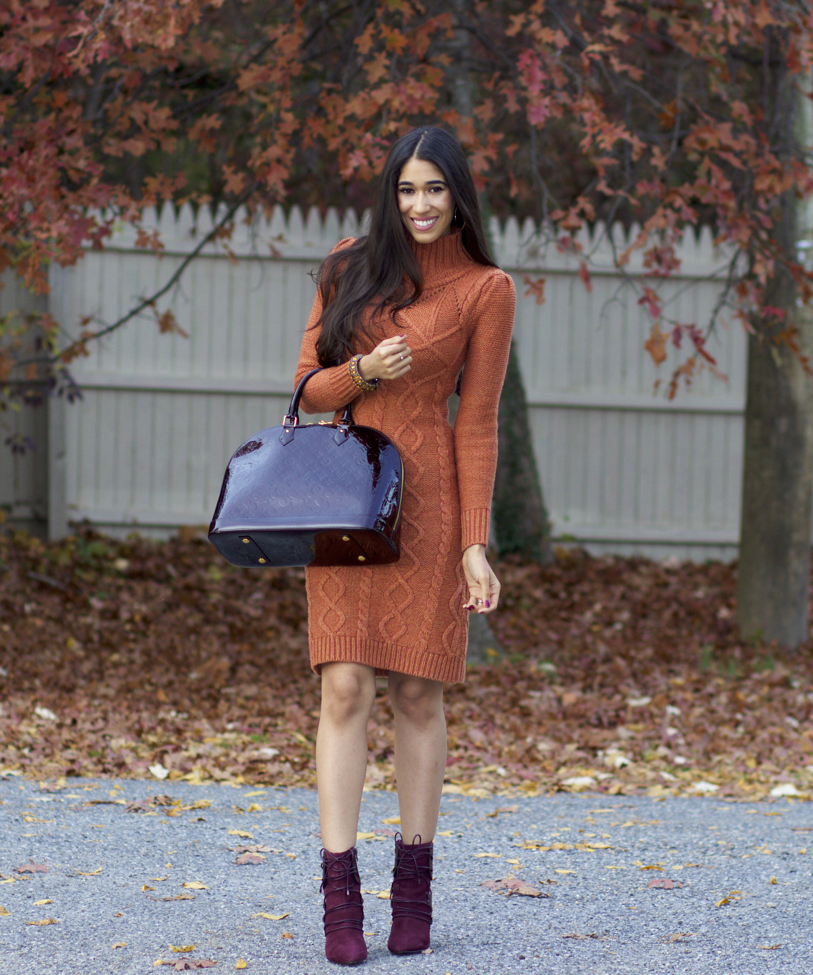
623 469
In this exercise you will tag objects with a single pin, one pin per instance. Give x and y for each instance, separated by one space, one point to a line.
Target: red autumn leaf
664 884
245 858
655 345
513 885
31 867
534 287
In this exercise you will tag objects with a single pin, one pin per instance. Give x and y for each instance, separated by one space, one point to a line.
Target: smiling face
425 201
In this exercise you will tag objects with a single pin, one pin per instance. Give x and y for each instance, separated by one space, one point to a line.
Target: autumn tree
672 114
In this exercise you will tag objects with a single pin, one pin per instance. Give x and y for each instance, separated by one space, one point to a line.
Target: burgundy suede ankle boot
411 897
344 908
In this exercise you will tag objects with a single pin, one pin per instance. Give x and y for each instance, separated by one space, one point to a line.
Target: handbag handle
291 419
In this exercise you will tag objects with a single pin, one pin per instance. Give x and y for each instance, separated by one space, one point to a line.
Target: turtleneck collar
442 255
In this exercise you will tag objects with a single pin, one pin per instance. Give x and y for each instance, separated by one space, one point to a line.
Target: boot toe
409 938
349 948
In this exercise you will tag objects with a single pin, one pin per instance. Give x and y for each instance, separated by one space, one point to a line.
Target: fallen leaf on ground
286 934
564 871
138 806
4 912
504 809
181 949
496 856
177 897
146 887
392 821
240 963
31 867
92 873
271 917
256 849
513 885
187 964
664 884
45 920
644 629
245 858
680 936
120 944
364 836
195 885
771 947
241 832
384 895
579 937
45 900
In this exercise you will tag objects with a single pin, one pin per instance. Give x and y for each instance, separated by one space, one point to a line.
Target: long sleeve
475 429
332 389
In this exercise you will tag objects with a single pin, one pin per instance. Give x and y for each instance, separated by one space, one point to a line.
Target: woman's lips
424 224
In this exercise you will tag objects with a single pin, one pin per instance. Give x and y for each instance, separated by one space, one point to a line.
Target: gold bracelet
358 379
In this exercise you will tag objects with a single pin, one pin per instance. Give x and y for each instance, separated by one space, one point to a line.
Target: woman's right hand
391 359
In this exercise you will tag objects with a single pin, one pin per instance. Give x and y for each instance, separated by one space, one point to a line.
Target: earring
456 219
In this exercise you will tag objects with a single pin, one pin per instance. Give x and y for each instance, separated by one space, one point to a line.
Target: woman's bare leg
420 752
348 693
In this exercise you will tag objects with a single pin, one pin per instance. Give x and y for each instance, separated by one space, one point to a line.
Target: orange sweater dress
408 616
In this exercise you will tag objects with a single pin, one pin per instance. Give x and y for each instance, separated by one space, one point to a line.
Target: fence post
56 470
56 448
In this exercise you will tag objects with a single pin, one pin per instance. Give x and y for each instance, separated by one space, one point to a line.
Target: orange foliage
578 111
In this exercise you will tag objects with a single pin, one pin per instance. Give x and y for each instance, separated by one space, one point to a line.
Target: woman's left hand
484 586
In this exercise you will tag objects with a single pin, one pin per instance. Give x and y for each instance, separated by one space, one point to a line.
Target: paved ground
116 878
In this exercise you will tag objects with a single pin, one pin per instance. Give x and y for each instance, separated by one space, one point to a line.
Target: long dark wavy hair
380 271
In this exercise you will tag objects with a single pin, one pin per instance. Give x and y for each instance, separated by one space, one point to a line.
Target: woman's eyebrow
429 182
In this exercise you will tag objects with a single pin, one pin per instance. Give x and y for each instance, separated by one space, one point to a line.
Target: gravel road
117 883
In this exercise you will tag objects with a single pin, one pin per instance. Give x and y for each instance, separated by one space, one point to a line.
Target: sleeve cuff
342 385
475 524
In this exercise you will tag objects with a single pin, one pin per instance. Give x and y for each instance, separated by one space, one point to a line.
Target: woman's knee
416 698
348 691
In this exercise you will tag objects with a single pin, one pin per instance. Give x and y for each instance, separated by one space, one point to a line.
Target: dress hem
385 657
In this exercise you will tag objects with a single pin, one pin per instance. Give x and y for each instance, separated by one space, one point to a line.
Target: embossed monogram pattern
409 615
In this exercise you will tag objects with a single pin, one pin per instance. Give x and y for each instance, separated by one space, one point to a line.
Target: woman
397 315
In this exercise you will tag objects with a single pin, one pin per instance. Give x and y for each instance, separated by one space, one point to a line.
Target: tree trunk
519 516
520 519
775 526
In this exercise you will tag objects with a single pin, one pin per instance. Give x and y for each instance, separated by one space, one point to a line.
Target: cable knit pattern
409 616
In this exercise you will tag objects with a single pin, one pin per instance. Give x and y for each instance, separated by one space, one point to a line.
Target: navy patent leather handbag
311 494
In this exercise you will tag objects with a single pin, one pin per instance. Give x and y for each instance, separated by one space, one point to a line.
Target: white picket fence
623 469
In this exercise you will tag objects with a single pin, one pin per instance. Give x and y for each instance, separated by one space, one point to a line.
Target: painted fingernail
488 604
469 608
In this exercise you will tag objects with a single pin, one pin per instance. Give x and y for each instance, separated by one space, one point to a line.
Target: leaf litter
513 885
621 675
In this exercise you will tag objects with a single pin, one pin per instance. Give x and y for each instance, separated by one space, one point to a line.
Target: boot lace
340 874
412 867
